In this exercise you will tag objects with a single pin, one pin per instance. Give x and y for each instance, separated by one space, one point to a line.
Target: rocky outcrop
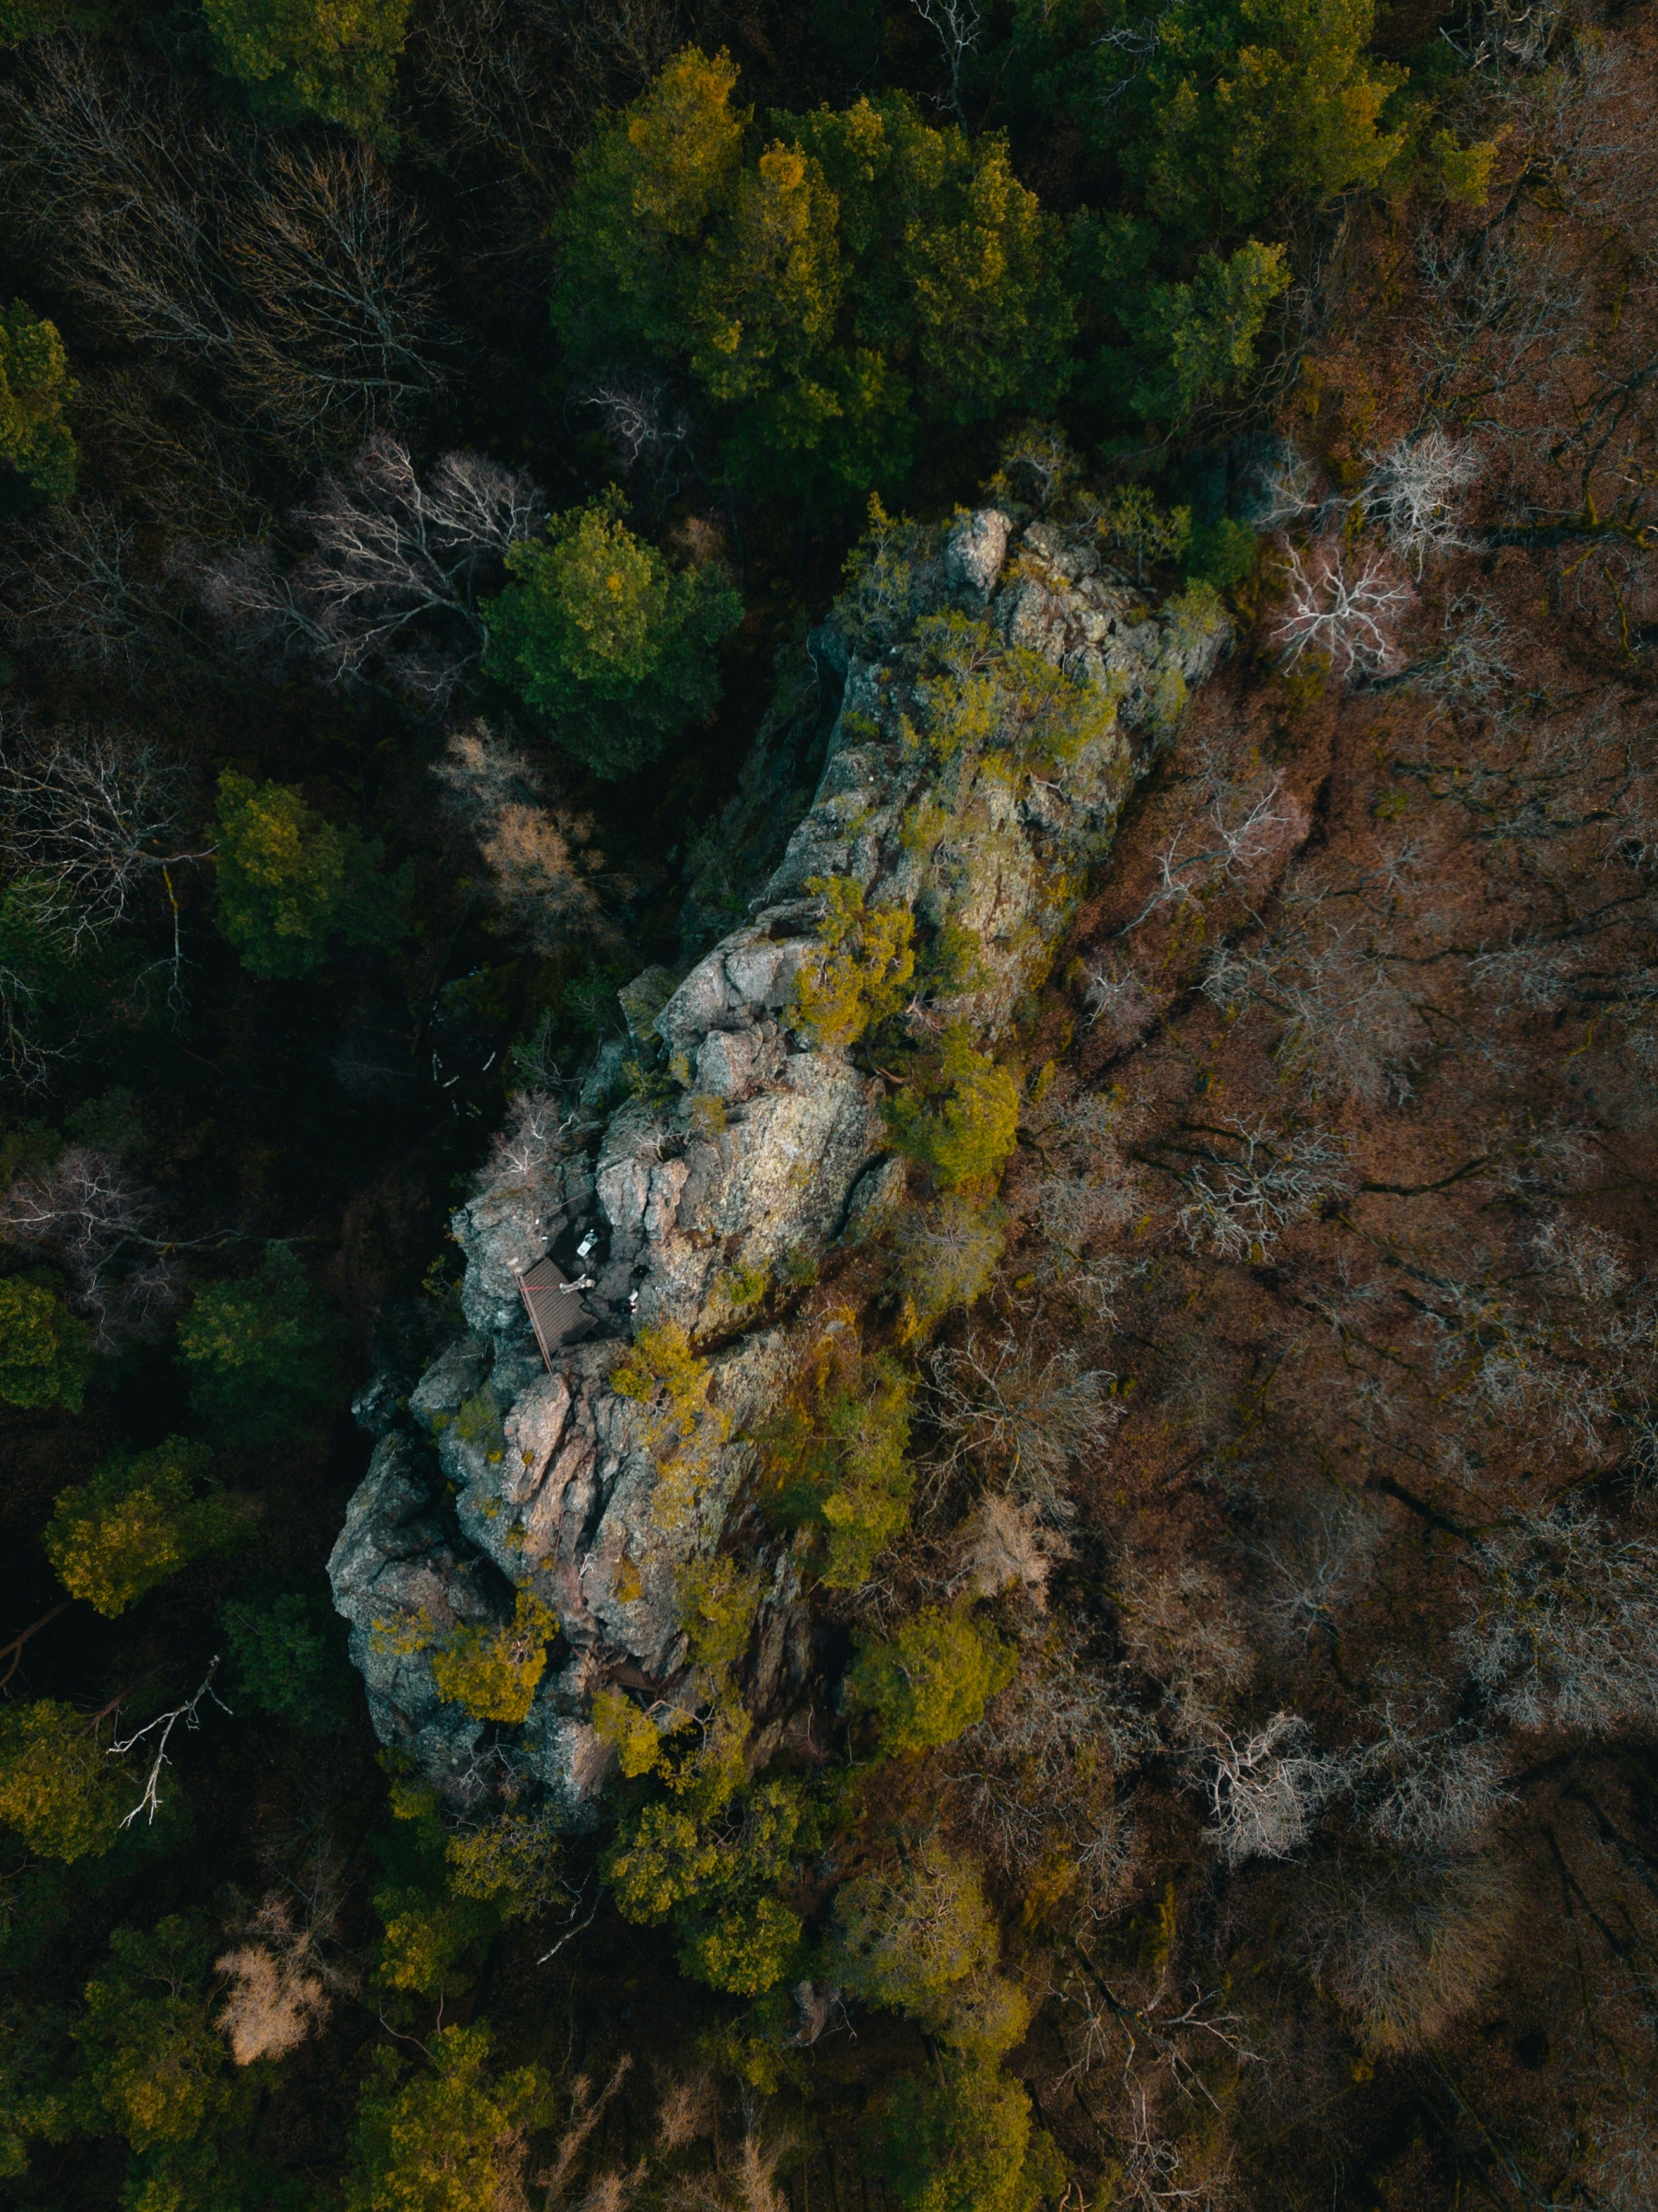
744 1153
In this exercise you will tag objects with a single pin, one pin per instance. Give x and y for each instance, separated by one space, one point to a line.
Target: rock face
745 1151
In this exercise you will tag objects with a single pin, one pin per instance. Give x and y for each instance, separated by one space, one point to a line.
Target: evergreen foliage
292 886
830 289
908 1936
34 390
862 974
134 1523
959 1116
932 1680
965 2144
44 1359
494 1671
259 1350
57 1789
154 2068
598 634
286 1659
448 2138
333 58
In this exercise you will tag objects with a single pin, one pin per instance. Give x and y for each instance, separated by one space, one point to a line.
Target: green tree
292 885
1195 340
448 2139
959 1116
154 2068
842 1462
965 2144
957 271
32 2102
34 390
337 58
493 1671
286 1659
863 971
932 1680
134 1523
1236 109
259 1350
597 633
57 1789
828 290
44 1355
905 1938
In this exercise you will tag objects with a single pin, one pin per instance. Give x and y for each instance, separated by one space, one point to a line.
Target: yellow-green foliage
744 1953
34 390
479 1421
743 1288
57 1789
826 290
837 1455
44 1357
337 58
906 1936
155 2066
426 1936
959 1117
863 969
1131 523
494 1671
960 698
596 631
448 2139
717 1602
135 1522
979 693
513 1861
632 1735
965 2144
886 586
710 1867
291 884
683 1430
932 1680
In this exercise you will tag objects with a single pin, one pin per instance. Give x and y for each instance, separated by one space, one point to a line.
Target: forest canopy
828 945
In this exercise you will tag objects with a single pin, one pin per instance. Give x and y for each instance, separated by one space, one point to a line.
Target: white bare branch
150 1804
1344 607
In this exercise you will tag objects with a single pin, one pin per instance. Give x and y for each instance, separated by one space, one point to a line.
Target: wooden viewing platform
554 1305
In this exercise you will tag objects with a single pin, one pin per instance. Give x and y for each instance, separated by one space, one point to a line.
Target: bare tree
1343 607
1241 1200
956 24
1003 1546
395 574
89 1216
92 817
282 1977
1562 1624
544 870
1044 1762
1414 493
1027 1417
74 590
645 424
1182 1628
1264 1791
1424 1787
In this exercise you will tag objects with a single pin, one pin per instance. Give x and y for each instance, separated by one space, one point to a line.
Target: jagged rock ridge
747 1148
